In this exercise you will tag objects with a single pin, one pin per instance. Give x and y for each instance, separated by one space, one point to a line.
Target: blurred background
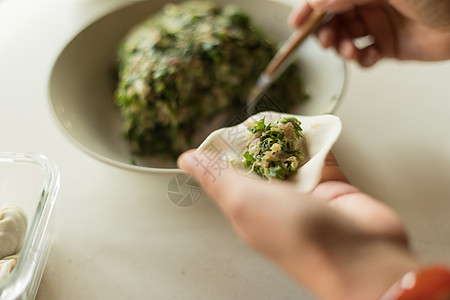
119 236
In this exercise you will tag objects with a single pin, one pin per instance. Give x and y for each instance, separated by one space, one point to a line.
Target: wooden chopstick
296 38
281 59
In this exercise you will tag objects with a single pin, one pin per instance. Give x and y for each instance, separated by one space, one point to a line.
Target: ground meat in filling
275 150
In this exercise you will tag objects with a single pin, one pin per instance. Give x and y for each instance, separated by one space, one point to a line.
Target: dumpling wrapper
321 132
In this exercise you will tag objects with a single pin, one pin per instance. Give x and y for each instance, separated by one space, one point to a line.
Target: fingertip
326 36
330 160
215 176
299 14
369 57
347 49
186 161
331 170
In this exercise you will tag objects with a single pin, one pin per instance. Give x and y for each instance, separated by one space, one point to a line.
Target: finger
214 179
299 14
333 183
369 56
336 6
349 35
232 191
326 37
352 24
378 25
344 45
331 170
347 22
327 34
335 189
373 216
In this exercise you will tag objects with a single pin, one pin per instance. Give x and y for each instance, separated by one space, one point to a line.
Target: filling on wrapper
187 64
275 150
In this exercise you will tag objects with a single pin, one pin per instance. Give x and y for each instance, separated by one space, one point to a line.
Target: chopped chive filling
275 149
188 63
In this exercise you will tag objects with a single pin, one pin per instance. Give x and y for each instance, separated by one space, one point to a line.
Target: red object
430 283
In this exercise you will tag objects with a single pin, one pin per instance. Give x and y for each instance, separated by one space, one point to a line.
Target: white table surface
118 235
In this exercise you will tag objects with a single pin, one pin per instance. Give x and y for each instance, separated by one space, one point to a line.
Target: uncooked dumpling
13 227
7 265
320 133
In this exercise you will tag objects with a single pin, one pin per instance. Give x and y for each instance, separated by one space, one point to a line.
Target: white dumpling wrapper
321 132
13 228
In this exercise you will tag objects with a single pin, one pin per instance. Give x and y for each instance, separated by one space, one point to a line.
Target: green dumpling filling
185 65
275 150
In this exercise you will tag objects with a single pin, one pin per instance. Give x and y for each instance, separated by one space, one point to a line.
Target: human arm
401 29
337 242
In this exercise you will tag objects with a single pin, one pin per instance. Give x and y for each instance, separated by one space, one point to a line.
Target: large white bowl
81 84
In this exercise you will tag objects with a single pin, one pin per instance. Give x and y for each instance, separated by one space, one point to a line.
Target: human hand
400 29
337 242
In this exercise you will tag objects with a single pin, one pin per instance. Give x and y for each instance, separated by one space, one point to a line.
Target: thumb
214 175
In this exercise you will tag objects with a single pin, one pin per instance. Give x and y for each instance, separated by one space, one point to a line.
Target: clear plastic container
31 181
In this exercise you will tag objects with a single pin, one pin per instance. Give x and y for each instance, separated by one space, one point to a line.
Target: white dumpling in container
13 228
7 265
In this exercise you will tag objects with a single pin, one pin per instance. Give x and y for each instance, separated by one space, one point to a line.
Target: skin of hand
337 242
401 29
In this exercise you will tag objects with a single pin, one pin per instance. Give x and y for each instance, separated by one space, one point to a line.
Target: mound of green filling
186 64
275 149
